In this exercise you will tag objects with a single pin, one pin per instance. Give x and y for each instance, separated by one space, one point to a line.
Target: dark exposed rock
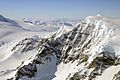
117 62
100 63
26 45
27 70
77 76
116 76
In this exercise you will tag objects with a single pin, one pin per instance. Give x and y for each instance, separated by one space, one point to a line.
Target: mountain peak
102 18
100 15
3 19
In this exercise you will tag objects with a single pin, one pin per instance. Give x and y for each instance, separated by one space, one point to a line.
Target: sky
73 9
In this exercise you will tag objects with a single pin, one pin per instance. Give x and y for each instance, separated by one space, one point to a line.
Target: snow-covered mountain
16 38
19 34
54 22
90 51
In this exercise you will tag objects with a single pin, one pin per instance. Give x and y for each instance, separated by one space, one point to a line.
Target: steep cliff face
87 52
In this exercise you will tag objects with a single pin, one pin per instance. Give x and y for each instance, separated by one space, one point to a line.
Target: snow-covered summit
108 20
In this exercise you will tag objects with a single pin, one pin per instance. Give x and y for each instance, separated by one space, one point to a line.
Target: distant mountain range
56 22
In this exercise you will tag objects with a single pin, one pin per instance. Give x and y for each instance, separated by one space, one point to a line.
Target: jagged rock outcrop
117 76
46 48
25 45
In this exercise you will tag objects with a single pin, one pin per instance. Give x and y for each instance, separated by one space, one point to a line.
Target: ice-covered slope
90 51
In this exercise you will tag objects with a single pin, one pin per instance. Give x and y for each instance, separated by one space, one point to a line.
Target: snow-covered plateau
60 50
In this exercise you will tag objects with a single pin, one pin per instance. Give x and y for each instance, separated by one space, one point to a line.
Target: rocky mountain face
87 52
